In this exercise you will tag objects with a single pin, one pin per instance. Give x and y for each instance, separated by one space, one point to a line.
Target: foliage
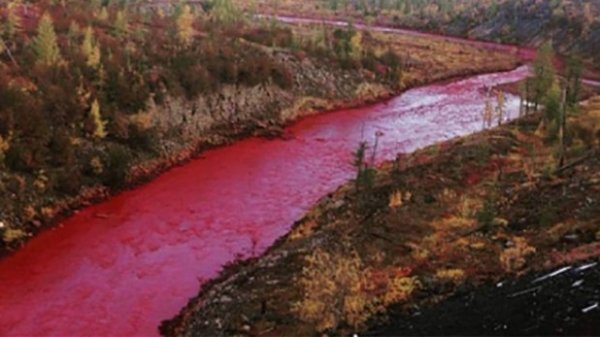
552 103
13 22
338 289
45 44
113 60
121 24
544 73
487 214
4 146
574 69
332 290
103 14
572 23
224 11
13 234
185 26
116 165
90 49
515 257
99 124
365 173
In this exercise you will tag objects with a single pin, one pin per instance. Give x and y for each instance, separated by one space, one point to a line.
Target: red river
121 267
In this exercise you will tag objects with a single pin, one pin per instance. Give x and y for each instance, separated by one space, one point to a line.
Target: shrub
365 174
514 258
68 181
143 139
333 293
26 157
117 163
61 149
340 290
4 146
547 215
13 235
487 214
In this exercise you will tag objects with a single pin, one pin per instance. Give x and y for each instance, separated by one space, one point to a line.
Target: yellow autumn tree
13 21
333 291
103 14
185 26
4 146
74 32
121 24
45 45
356 46
99 124
90 48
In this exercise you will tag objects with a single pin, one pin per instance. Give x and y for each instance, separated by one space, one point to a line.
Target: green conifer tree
544 73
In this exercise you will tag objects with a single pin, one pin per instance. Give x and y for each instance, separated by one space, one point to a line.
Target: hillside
95 99
572 26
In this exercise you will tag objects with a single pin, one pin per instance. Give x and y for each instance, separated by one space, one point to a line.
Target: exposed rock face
231 105
533 22
234 109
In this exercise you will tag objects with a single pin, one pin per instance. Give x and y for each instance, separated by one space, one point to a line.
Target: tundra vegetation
574 25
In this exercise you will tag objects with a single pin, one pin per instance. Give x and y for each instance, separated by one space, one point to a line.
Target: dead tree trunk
563 125
8 52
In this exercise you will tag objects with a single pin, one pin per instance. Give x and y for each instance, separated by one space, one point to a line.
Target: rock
572 237
225 299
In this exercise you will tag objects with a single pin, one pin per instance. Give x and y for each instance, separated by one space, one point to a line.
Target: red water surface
121 267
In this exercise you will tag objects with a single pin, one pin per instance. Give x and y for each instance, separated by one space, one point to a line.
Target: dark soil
535 304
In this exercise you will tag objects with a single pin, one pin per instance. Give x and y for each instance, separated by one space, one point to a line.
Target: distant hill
573 25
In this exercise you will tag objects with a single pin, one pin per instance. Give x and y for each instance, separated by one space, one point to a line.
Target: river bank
464 213
561 301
